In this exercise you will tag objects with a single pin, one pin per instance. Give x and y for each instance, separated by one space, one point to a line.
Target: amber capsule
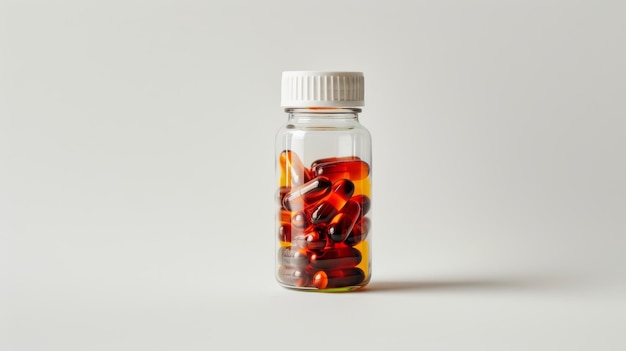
359 231
292 257
337 278
341 225
293 171
294 276
365 203
341 192
307 193
344 257
280 195
354 170
334 159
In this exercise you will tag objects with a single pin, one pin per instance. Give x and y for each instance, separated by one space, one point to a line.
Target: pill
334 159
293 171
365 203
342 277
344 257
284 232
294 276
312 240
307 193
299 220
354 170
280 195
340 193
341 225
292 257
359 231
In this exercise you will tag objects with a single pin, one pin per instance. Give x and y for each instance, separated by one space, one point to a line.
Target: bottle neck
329 113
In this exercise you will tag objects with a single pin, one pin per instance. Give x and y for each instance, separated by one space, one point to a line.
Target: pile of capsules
322 220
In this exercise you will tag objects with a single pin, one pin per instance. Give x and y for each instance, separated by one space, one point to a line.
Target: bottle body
323 200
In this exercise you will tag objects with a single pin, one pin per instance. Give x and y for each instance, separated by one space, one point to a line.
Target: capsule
337 278
300 220
307 193
334 159
341 192
341 225
293 171
344 257
354 170
294 276
359 231
365 203
315 239
280 195
292 257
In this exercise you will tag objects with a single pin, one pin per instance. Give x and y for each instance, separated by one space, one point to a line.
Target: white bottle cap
322 89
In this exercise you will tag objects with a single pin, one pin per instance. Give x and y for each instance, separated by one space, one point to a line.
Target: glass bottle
323 183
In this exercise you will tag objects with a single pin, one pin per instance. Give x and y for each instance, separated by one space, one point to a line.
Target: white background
137 185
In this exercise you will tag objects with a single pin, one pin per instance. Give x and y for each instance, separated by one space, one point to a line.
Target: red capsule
365 203
341 225
293 171
300 220
344 257
307 193
284 232
280 195
354 170
334 159
292 257
341 192
359 231
338 278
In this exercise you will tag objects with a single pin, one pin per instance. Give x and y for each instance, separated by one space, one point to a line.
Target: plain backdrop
137 185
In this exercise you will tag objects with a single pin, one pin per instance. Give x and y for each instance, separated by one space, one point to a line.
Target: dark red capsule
292 257
354 170
340 193
280 195
284 232
307 193
338 278
335 258
359 231
341 225
365 203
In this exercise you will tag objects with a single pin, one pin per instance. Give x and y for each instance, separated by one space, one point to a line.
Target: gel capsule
290 257
341 192
341 225
294 276
354 170
293 171
337 278
359 231
335 159
365 203
311 240
307 193
345 257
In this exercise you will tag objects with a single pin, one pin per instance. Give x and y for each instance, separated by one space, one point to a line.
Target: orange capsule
320 280
341 225
293 171
307 193
343 257
354 170
314 239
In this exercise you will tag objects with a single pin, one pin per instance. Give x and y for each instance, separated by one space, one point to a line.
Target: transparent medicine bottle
323 162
